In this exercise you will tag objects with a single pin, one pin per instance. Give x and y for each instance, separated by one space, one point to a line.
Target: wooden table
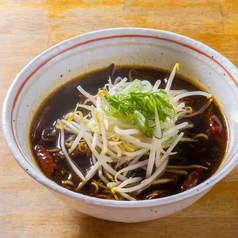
27 28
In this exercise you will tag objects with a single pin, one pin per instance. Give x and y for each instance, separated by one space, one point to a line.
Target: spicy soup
195 158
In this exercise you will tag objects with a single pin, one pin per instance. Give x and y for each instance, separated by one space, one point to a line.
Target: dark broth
206 153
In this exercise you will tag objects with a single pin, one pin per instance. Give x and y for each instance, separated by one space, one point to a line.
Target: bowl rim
105 34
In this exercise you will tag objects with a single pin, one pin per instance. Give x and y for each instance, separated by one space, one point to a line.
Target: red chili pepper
193 179
84 98
45 160
216 126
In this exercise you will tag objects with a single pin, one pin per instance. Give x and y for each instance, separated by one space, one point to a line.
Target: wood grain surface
27 28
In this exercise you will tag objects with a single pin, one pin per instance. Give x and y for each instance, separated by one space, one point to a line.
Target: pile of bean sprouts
119 147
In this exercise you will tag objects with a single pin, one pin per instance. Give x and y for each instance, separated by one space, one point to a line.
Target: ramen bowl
121 46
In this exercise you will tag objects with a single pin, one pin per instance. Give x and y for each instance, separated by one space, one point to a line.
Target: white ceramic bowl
122 46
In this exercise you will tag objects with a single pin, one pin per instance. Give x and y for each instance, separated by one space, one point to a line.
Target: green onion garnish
133 104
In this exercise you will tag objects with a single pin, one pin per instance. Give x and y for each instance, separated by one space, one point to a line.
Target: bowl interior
97 50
